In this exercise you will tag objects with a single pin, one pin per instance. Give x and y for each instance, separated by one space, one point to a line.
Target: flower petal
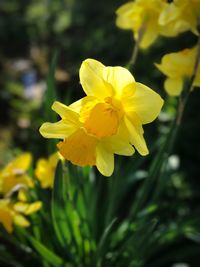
144 102
21 163
173 86
79 148
136 136
21 220
150 34
118 146
58 129
6 217
126 18
91 78
104 160
118 77
65 112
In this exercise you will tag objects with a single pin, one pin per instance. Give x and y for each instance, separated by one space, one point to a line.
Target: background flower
141 14
178 66
15 173
45 170
180 16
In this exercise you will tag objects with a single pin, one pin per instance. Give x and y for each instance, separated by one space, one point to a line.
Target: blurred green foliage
78 30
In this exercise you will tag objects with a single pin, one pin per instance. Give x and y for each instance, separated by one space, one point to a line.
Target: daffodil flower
139 14
180 16
45 170
178 66
15 174
107 121
15 212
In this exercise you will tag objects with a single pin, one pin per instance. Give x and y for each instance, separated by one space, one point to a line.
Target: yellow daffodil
14 174
107 121
45 170
15 212
180 16
139 14
178 66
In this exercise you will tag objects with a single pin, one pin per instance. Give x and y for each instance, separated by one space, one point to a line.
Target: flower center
104 118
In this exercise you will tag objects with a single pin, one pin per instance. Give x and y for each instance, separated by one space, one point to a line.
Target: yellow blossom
107 121
14 212
180 16
14 174
138 14
178 66
45 170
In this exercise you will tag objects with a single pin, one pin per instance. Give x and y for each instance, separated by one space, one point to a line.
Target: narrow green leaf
101 246
58 208
50 93
44 252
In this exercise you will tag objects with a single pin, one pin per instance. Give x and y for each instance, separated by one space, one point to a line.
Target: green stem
160 161
135 52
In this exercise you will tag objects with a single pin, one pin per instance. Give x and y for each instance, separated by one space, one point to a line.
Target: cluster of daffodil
14 180
108 121
149 19
15 184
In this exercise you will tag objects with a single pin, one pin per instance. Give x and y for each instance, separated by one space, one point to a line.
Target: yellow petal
58 129
65 112
173 86
180 63
21 163
33 207
127 16
150 34
27 208
22 195
136 136
117 145
104 160
20 207
13 182
91 78
168 14
6 216
21 220
144 102
45 173
118 77
79 148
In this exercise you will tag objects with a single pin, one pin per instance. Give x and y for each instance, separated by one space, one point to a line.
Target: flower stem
135 52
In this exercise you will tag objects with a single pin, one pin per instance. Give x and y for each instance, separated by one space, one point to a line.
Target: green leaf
101 248
50 93
44 252
58 207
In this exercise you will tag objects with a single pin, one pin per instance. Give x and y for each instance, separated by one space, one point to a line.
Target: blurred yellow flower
14 174
14 212
107 121
178 66
180 16
45 170
138 14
